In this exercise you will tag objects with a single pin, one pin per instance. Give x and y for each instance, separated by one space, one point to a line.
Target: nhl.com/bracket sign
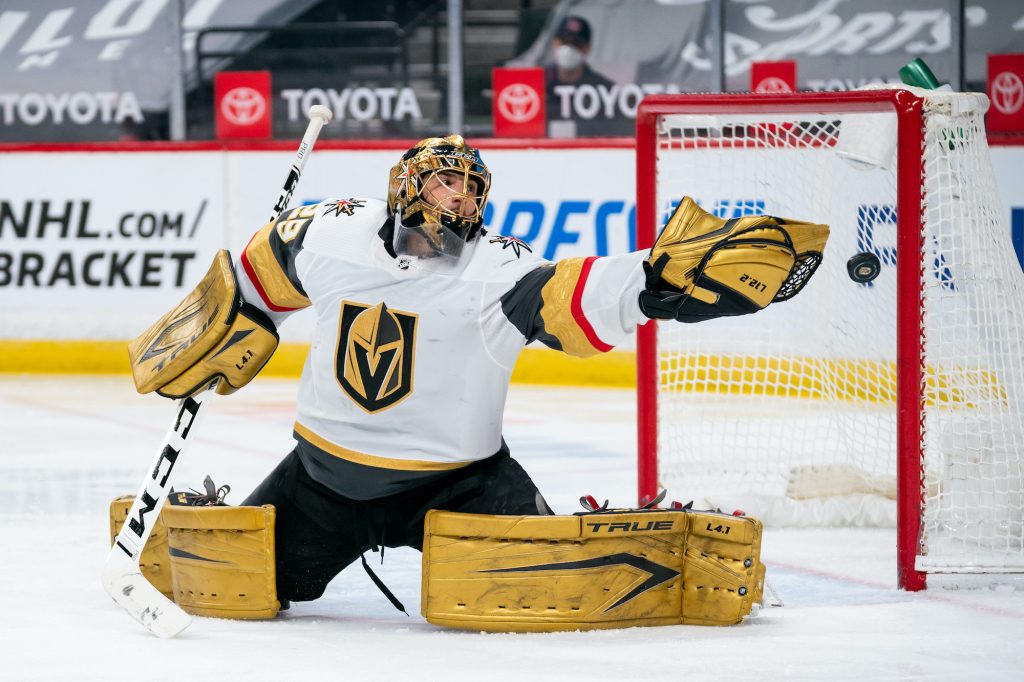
519 108
1006 92
242 104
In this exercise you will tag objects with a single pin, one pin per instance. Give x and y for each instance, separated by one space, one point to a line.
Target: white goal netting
791 414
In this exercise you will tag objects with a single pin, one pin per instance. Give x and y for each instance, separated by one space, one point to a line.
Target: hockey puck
863 267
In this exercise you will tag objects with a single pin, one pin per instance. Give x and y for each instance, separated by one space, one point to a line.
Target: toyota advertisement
519 107
1006 92
112 70
242 104
104 70
601 56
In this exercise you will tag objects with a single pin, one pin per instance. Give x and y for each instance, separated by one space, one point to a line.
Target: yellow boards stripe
110 357
853 380
849 380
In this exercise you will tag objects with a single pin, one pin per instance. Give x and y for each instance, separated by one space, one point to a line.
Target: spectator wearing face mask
569 50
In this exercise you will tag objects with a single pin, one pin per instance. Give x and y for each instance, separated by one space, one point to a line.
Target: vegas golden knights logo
376 353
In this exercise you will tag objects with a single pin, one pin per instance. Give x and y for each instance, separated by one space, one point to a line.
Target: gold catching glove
702 267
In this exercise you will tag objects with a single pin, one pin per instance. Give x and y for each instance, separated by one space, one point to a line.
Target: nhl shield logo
375 355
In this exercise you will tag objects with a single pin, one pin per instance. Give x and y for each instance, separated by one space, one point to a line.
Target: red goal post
706 143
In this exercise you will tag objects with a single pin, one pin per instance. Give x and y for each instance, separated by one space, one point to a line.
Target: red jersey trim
251 274
576 307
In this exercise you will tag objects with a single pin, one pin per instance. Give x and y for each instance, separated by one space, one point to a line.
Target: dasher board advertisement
112 240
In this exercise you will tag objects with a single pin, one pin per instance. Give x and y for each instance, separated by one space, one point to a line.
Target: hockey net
893 402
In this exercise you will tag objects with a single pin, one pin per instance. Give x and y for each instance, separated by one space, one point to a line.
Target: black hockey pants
319 532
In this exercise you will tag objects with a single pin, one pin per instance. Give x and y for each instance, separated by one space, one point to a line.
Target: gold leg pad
222 560
155 564
611 570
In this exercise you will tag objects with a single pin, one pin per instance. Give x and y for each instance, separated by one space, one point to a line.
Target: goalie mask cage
892 402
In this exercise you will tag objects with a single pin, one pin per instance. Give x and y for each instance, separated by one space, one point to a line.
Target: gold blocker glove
702 267
212 333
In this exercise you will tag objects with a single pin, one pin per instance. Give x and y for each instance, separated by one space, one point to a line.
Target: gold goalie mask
702 267
437 193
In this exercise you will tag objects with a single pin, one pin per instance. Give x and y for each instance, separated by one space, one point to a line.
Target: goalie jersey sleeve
409 367
582 306
266 267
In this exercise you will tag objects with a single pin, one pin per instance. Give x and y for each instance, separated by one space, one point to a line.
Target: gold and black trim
546 306
522 305
656 573
322 444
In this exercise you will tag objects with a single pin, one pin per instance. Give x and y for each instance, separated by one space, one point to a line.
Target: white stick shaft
122 576
318 117
157 484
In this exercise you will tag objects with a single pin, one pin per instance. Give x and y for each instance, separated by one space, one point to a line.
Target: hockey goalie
421 314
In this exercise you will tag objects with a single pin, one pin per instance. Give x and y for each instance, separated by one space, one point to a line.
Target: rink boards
94 245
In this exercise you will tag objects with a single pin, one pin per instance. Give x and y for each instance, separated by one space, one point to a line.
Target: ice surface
69 445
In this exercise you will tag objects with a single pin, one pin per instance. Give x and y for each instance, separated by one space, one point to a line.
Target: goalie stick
122 575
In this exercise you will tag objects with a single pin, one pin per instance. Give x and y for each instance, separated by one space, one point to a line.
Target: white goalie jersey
409 366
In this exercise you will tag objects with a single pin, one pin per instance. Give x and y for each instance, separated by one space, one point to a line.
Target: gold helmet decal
375 356
428 159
